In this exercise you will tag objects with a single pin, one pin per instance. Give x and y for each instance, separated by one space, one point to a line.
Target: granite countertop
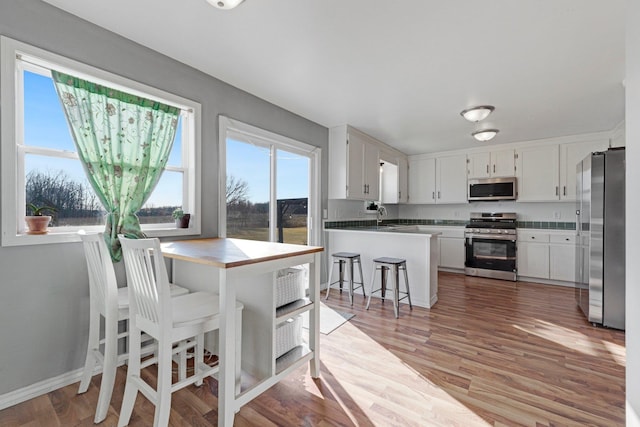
391 228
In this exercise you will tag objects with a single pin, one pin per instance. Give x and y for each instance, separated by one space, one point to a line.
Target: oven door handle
511 237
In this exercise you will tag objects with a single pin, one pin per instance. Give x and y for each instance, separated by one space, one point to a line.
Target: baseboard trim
43 387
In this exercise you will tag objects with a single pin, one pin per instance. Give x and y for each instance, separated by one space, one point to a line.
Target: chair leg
163 390
133 373
93 345
108 369
198 359
396 290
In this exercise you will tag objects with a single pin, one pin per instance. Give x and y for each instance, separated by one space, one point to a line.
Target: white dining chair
169 320
111 303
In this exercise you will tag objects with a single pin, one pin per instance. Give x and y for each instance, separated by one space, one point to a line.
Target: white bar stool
343 259
385 264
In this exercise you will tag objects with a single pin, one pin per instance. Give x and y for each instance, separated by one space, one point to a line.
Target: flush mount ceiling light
485 134
478 113
225 4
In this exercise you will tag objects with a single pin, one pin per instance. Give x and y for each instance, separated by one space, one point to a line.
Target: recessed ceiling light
485 134
478 113
225 4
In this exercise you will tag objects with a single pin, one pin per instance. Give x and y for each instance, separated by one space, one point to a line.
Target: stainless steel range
490 245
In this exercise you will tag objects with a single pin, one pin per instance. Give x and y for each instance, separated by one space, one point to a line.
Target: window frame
12 147
229 127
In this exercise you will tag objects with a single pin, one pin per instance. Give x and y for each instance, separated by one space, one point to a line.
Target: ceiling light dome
485 134
478 113
225 4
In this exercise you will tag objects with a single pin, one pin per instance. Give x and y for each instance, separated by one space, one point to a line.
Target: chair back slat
147 280
103 287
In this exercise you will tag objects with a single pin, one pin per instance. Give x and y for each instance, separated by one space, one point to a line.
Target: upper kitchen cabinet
441 180
494 164
393 177
537 173
570 155
354 165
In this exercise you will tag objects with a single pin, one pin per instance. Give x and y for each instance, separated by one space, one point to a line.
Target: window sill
71 235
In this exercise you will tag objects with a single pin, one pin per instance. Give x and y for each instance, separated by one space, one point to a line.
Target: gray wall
44 291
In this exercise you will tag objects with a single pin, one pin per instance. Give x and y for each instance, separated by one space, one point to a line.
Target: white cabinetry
570 155
438 179
354 163
452 254
537 173
393 177
546 255
562 257
494 164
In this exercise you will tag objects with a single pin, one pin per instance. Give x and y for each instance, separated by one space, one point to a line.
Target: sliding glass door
271 186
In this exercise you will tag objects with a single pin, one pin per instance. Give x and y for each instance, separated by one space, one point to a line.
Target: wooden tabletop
229 253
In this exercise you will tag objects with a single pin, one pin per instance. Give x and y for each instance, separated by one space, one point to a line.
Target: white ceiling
400 70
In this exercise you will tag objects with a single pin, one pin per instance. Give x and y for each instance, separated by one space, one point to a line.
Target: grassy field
296 235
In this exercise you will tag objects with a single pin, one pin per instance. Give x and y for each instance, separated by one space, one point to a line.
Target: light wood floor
488 353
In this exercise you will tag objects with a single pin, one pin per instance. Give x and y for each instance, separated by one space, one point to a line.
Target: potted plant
37 222
182 219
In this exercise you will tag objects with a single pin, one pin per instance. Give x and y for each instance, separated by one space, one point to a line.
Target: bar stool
385 264
343 259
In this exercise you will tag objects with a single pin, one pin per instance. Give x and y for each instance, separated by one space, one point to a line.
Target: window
269 186
40 164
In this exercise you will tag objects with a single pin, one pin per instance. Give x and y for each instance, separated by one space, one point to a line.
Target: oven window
490 250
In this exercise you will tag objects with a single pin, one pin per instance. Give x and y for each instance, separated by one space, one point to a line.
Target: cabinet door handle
494 168
564 190
438 194
557 190
433 195
533 237
487 168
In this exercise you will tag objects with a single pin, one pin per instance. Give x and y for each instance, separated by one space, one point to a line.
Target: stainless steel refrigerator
600 251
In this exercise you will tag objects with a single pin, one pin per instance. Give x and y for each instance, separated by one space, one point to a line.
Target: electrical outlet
556 215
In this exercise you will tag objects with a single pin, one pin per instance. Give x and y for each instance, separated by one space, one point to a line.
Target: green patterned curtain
123 142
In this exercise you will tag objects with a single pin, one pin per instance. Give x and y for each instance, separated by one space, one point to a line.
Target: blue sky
46 126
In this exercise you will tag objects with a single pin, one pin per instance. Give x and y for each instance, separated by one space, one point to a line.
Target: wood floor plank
489 353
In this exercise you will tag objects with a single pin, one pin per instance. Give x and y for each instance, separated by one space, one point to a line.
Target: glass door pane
292 190
248 190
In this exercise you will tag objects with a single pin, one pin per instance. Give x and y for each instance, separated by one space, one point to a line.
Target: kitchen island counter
416 244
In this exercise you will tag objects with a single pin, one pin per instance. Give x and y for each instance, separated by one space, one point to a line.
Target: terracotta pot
37 224
184 221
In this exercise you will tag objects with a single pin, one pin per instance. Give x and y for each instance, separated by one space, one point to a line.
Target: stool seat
346 260
348 255
390 261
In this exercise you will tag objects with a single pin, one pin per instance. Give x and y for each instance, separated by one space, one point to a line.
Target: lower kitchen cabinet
562 258
451 252
546 255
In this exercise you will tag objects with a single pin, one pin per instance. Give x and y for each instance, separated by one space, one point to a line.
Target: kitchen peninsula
417 244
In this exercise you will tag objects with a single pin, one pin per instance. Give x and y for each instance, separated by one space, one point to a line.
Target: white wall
633 207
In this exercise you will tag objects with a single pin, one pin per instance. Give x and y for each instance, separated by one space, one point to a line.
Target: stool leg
364 294
406 284
351 281
341 269
383 278
373 280
396 290
329 279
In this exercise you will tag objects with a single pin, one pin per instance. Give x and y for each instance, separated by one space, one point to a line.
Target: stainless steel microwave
493 189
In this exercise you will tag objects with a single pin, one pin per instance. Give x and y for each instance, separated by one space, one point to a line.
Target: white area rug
330 319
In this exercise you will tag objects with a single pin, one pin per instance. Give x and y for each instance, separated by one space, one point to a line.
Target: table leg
227 373
314 316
